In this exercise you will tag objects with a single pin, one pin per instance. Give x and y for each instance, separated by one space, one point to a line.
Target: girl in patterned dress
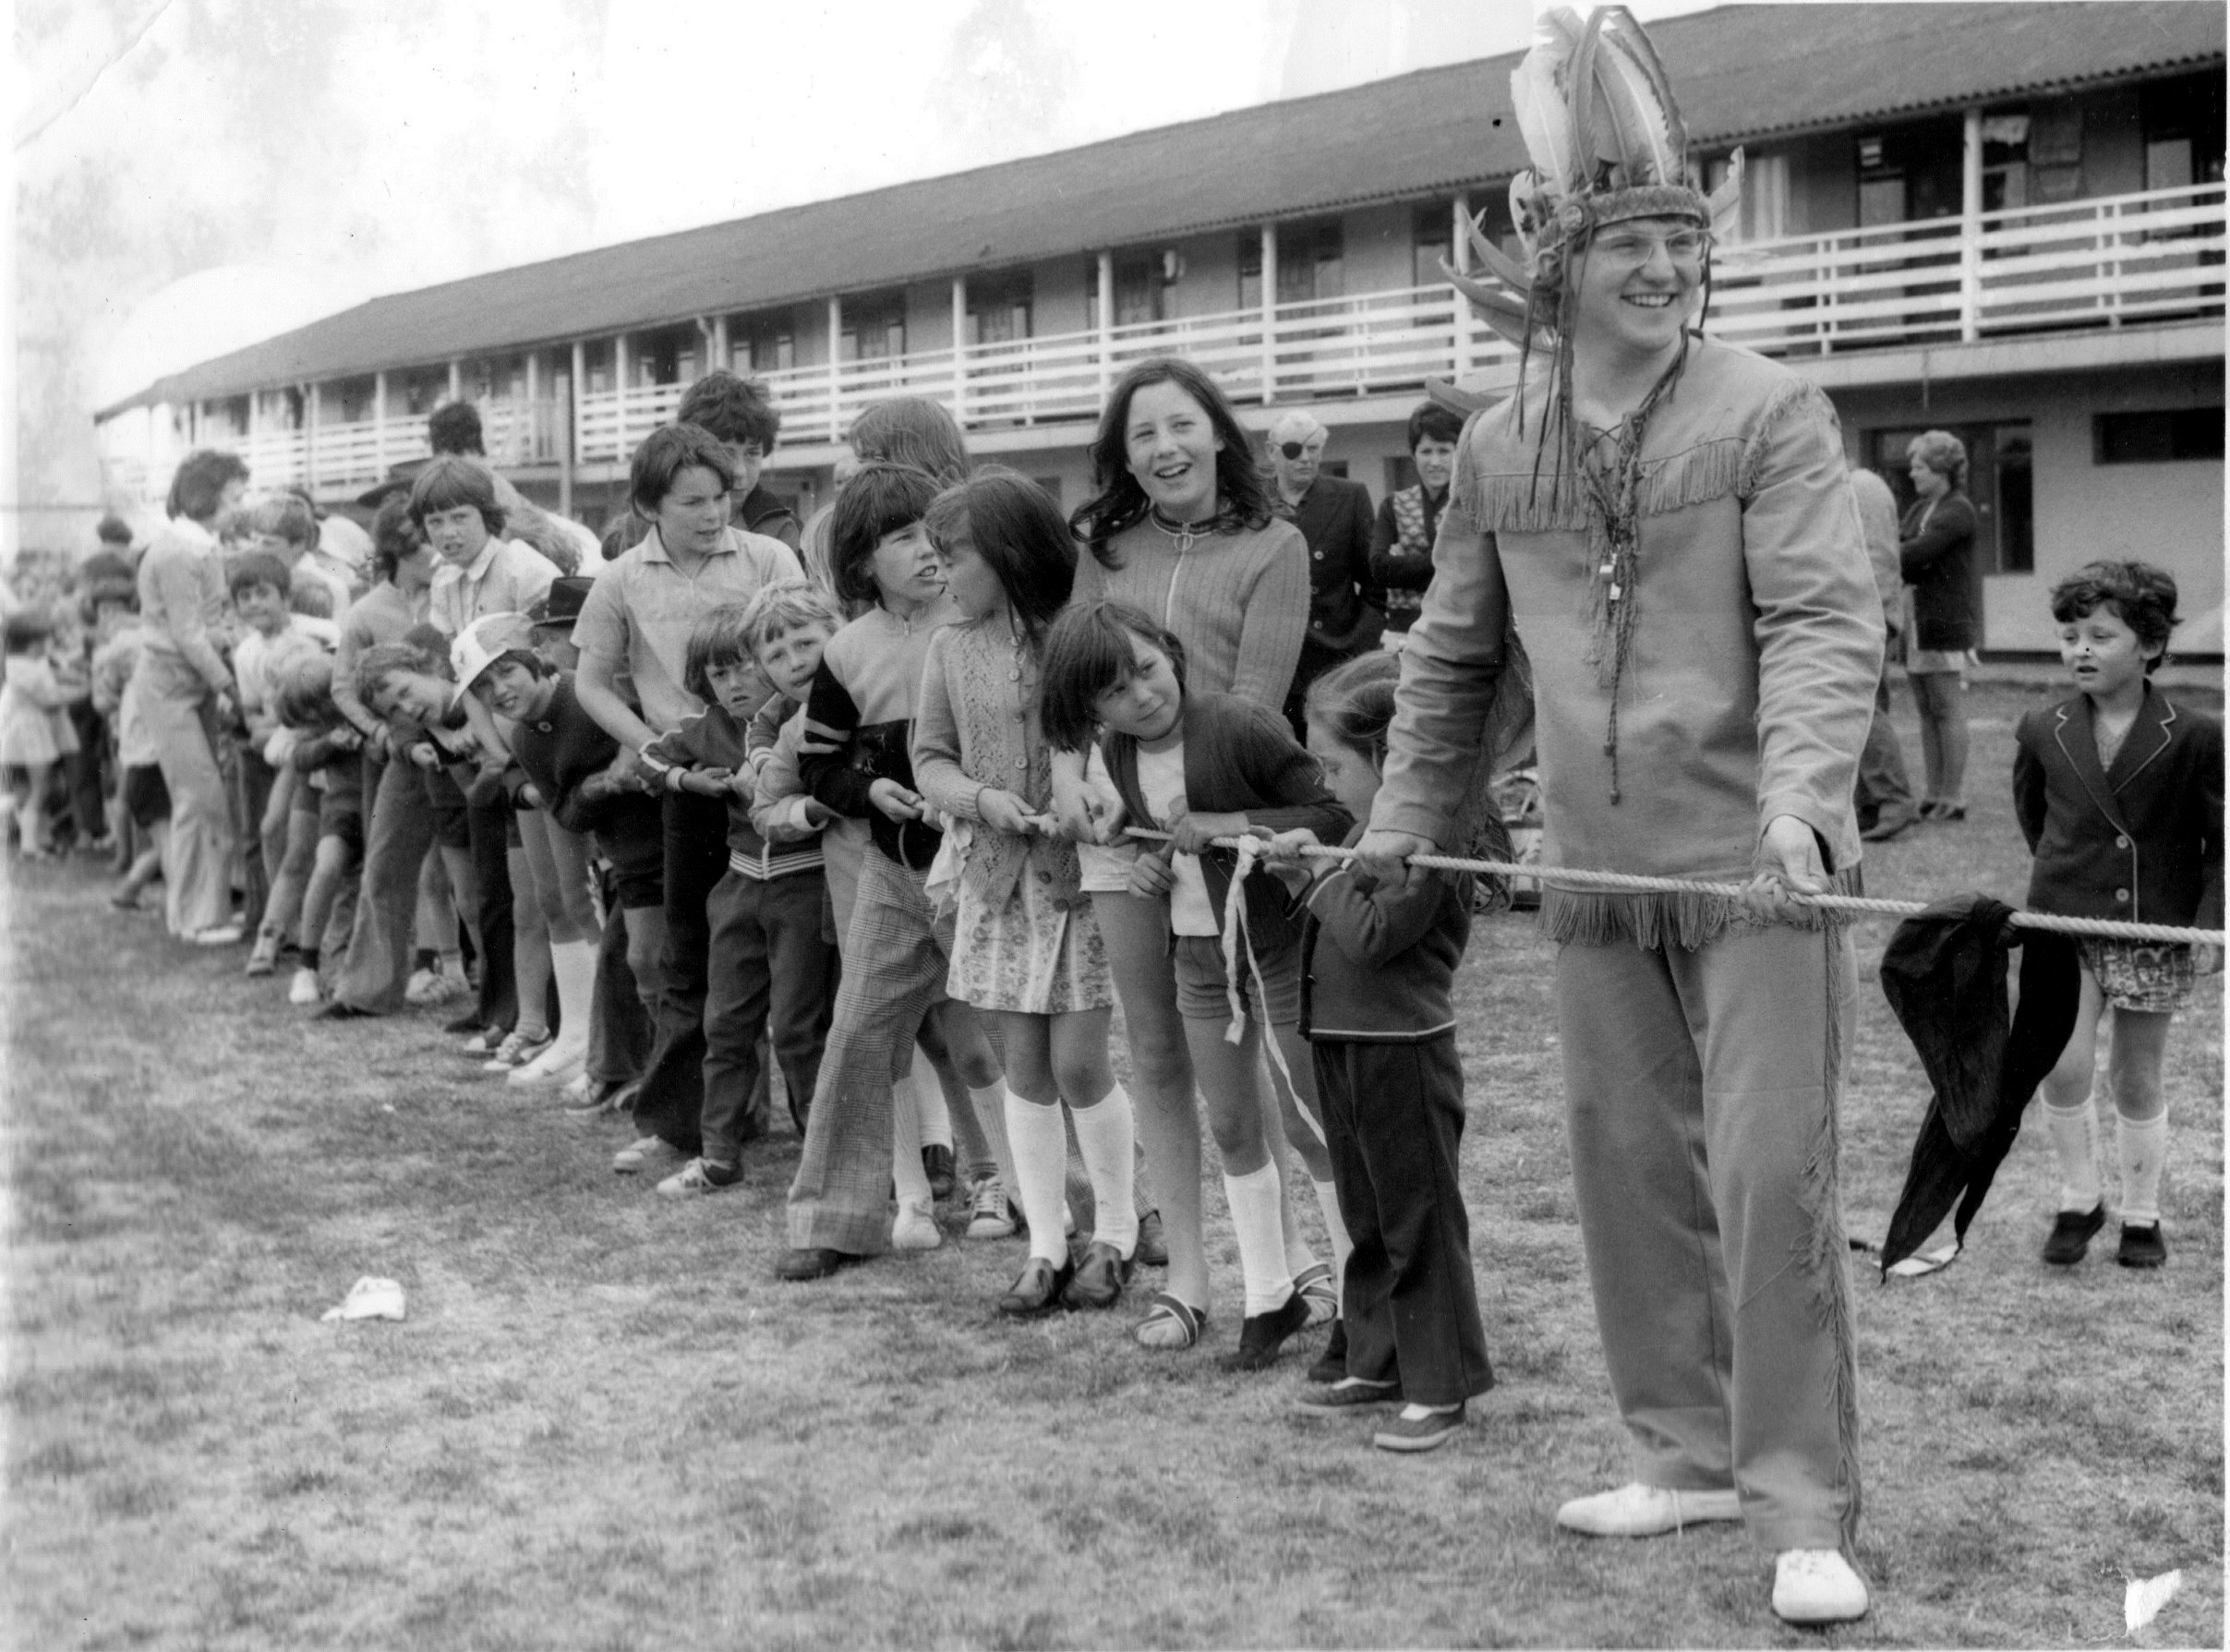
1026 948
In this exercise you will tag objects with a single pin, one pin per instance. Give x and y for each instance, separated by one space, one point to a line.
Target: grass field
605 1425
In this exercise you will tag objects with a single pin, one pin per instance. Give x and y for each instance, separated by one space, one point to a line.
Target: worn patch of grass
604 1425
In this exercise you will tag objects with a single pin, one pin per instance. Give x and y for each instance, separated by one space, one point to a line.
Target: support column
456 380
379 427
570 444
1269 313
623 370
309 436
719 344
836 369
1971 228
960 359
531 415
1106 324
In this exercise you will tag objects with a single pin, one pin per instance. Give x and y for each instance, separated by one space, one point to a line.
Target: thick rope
1575 877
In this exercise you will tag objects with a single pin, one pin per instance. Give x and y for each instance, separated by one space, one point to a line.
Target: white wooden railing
2109 263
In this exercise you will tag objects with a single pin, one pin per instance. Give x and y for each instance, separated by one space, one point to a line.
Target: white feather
1538 93
2142 1600
1644 135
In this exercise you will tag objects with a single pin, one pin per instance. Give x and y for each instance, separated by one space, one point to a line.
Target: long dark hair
1017 529
1241 499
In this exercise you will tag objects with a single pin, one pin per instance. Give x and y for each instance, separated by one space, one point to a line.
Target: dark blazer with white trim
2141 841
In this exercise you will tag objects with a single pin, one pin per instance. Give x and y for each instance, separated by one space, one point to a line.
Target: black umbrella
1944 973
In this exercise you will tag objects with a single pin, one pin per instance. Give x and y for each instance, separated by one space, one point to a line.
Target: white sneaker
916 1227
1816 1586
578 1089
690 1180
646 1153
553 1065
1638 1510
303 988
989 1215
421 983
222 935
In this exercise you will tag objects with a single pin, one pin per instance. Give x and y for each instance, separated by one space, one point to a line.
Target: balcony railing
2110 262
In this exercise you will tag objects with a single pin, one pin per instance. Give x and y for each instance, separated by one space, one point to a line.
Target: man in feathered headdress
1667 522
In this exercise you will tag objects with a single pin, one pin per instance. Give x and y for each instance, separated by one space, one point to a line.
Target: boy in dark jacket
2119 793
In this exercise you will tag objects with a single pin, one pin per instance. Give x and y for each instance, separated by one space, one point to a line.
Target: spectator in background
740 413
184 690
285 526
115 535
1884 793
1937 556
455 428
1401 539
1346 608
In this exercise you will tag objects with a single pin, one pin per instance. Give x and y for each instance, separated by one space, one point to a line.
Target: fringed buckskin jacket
1752 649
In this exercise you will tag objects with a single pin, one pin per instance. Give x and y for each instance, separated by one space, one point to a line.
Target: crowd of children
703 813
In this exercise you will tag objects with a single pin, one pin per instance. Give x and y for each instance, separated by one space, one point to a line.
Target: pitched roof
1742 73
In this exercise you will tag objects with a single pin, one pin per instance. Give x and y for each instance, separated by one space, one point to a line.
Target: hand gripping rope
1576 877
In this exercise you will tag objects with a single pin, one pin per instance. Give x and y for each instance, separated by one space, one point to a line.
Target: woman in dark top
1935 552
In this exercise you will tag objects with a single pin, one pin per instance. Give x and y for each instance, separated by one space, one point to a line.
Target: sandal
1170 1323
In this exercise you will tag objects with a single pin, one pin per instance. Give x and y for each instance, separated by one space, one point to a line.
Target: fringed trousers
1701 1088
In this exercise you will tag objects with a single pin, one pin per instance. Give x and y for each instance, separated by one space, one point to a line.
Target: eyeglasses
1295 450
1685 248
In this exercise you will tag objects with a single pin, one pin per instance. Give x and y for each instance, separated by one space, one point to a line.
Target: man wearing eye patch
1347 607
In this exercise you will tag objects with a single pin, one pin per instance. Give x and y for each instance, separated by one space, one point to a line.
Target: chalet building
2002 220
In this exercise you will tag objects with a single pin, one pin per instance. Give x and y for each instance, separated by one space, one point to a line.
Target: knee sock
928 1096
1336 1225
452 962
1105 1138
2074 1132
1254 1216
1041 1154
1300 1258
2143 1143
907 1175
990 1106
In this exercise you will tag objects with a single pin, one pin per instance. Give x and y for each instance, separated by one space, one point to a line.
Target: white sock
2074 1132
1328 1202
906 1169
929 1098
990 1114
2143 1143
1254 1216
452 962
1040 1153
1106 1134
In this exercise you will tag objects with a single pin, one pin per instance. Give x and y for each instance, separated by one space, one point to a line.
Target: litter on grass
2145 1596
369 1299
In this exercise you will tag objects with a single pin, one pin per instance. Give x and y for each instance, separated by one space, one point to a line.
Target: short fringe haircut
1016 528
302 692
453 482
665 454
259 568
1087 652
103 592
287 515
1355 702
720 637
2142 595
421 650
792 605
1428 421
25 630
733 408
454 427
881 499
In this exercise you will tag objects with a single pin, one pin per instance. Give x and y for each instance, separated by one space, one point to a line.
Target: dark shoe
1887 826
1153 1248
936 1163
798 1266
1331 1364
2142 1246
1336 1399
2071 1232
338 1011
1262 1335
1100 1277
1038 1290
1421 1433
468 1022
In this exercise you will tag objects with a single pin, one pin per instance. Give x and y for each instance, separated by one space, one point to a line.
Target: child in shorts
2119 793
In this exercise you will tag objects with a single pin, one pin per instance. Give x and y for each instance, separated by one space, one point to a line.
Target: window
1763 214
1431 238
874 326
2005 162
763 344
2156 438
670 355
2182 121
1311 263
999 307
